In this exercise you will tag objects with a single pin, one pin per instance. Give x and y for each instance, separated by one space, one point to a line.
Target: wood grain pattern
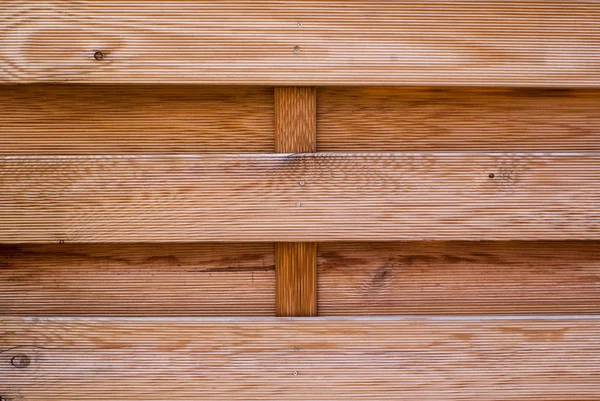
137 280
521 277
437 42
295 119
296 262
126 119
409 196
535 358
390 119
296 278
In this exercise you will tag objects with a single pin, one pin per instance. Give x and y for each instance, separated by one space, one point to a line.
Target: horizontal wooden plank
397 119
137 280
526 277
126 119
310 197
531 358
467 42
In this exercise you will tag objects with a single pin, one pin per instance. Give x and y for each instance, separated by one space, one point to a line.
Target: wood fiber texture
398 119
133 119
137 280
459 278
403 196
517 358
296 278
467 42
295 119
296 262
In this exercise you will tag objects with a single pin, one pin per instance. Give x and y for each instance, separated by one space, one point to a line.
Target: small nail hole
299 24
298 204
296 49
491 175
295 373
98 55
301 183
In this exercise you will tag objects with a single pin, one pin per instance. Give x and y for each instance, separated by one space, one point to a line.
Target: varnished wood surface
126 119
534 358
137 280
296 275
468 42
389 119
410 196
498 277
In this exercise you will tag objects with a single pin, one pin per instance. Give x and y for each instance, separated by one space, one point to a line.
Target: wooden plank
436 42
409 196
533 358
137 280
295 119
296 262
127 119
390 119
296 278
459 278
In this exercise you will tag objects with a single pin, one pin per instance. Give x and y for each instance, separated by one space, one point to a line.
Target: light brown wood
295 119
126 119
137 280
296 262
296 285
521 277
527 358
391 119
468 42
410 196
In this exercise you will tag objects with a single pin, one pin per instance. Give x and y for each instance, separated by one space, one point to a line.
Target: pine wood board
459 278
533 358
203 279
400 119
408 196
435 42
134 119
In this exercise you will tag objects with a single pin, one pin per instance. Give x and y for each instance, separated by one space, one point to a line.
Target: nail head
491 175
296 49
295 373
98 55
298 204
301 183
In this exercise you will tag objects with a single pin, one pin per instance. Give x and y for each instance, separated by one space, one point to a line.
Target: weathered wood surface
520 277
126 119
533 358
468 42
394 119
410 196
137 280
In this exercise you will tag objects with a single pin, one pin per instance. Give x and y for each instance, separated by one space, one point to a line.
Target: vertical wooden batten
296 262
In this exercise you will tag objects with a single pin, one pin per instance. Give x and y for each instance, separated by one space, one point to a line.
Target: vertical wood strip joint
296 262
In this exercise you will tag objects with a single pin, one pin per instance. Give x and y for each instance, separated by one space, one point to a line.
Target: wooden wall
299 200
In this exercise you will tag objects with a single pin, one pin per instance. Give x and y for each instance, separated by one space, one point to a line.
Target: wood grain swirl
137 280
399 119
522 358
467 42
404 196
459 278
133 119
